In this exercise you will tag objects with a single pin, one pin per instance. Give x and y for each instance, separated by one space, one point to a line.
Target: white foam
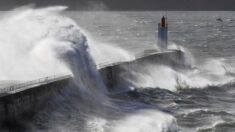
31 40
212 72
147 121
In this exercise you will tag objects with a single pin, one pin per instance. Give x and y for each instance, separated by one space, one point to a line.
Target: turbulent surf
159 97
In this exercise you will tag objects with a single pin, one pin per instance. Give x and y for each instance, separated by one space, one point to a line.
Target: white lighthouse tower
162 34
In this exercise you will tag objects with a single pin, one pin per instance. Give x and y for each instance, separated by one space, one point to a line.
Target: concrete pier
23 99
111 71
20 100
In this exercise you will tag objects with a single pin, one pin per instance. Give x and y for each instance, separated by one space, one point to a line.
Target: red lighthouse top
163 22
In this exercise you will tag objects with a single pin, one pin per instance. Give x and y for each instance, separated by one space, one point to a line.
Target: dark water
209 109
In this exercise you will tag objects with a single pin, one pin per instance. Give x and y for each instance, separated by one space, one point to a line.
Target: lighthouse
162 34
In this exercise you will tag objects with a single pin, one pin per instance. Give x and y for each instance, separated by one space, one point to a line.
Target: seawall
111 73
23 100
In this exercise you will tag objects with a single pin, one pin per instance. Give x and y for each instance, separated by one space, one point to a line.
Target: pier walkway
15 87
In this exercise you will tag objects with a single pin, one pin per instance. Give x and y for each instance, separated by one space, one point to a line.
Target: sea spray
106 53
29 45
187 56
147 121
212 72
40 42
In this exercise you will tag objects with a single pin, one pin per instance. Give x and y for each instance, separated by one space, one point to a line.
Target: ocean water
197 31
202 106
160 98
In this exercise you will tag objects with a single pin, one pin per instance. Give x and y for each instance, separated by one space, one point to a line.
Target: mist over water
42 42
211 72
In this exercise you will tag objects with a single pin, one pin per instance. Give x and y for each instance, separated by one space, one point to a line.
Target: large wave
41 42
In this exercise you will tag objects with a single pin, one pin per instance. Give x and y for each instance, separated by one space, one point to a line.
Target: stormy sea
154 97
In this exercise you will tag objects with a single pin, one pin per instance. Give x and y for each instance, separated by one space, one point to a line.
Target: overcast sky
127 4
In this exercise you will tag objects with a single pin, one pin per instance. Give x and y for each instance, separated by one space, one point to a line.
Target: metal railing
40 81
